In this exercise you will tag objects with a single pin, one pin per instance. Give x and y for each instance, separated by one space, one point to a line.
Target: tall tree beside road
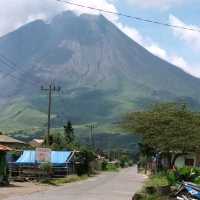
169 128
69 133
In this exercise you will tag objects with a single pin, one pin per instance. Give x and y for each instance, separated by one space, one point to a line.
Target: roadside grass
154 183
155 197
65 180
162 185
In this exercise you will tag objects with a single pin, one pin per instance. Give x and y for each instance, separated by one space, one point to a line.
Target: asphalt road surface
107 186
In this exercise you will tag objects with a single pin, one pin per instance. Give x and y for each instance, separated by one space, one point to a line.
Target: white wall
180 161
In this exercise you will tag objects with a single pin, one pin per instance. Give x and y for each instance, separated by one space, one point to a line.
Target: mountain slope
103 73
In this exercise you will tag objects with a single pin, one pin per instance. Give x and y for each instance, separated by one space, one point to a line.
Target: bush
104 165
184 174
197 180
187 174
124 161
117 164
46 168
171 177
130 163
112 167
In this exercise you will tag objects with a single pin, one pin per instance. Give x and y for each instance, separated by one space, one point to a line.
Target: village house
188 160
36 143
11 142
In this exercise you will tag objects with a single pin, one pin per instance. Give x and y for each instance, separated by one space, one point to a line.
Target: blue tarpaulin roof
27 157
57 157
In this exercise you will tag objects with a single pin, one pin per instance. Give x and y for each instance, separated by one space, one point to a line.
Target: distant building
36 143
11 142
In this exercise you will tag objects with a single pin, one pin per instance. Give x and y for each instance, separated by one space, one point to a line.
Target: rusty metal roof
5 148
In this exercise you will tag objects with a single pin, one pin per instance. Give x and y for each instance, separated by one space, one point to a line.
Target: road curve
107 186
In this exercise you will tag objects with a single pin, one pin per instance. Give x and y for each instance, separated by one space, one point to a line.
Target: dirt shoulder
20 189
26 188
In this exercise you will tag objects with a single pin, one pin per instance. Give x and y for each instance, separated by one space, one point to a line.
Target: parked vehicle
188 191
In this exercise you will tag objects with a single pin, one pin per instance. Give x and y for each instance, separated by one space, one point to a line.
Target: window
189 162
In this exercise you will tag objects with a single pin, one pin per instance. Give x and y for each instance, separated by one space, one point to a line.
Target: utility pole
50 89
92 127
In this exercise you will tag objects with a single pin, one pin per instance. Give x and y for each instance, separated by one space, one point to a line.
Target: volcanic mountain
103 73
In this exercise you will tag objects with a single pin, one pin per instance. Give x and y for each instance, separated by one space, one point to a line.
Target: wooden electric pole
50 89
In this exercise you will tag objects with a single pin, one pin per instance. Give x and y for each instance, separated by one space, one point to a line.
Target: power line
92 137
130 16
61 114
13 66
9 73
14 76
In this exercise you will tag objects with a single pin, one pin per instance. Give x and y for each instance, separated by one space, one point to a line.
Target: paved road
108 186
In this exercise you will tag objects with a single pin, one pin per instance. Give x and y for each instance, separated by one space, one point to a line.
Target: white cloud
14 13
180 62
156 50
101 4
192 38
133 33
193 69
161 4
163 54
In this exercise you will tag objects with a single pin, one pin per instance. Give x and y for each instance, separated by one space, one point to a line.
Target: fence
31 172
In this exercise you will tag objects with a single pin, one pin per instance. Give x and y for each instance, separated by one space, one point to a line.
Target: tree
69 133
84 159
3 169
146 154
56 141
168 128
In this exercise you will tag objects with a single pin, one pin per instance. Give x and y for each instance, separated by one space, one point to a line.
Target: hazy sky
176 46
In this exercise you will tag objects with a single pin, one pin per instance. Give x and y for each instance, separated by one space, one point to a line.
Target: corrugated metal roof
7 139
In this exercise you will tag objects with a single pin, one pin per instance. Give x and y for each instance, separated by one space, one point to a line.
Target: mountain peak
66 15
99 65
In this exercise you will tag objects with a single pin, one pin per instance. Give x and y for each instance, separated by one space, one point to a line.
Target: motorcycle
188 191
